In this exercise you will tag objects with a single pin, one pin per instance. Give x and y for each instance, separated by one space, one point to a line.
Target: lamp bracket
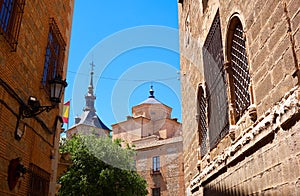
27 112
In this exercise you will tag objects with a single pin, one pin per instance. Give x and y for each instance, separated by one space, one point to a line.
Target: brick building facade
34 47
240 63
157 139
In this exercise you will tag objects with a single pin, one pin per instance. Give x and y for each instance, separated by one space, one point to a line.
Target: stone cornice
280 116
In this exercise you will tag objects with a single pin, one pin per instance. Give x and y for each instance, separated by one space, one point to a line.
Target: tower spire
91 87
90 97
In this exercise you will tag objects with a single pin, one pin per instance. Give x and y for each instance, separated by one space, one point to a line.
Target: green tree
100 167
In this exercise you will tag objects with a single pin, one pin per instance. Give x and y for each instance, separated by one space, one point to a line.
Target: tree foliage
100 167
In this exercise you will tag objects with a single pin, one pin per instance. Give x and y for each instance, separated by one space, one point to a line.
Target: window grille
240 72
202 125
218 124
39 181
156 192
54 57
11 12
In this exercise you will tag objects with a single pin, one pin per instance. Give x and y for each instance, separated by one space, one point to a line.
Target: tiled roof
151 100
91 118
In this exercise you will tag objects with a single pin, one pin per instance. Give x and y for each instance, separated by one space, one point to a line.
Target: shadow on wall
212 191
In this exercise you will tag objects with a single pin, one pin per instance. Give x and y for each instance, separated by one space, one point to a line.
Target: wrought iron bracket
27 112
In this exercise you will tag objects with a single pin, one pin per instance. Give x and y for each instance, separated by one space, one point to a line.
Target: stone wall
272 36
170 177
21 74
272 170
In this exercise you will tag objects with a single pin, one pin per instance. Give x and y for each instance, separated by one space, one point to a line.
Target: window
54 57
155 164
238 73
156 192
39 181
202 125
216 91
11 12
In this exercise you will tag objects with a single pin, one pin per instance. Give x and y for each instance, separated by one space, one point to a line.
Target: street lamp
34 108
57 87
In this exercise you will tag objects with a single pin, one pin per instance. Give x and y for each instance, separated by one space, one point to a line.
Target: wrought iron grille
202 125
240 72
218 124
11 12
39 181
54 58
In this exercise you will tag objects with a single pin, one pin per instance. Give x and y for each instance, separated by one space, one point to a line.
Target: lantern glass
57 86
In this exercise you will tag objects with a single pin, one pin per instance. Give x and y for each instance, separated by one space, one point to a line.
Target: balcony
155 172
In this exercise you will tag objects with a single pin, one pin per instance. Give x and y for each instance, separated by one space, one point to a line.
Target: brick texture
22 71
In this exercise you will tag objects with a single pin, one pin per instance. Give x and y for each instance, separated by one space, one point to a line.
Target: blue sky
133 44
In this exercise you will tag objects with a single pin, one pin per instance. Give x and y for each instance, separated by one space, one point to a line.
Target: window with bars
239 74
202 125
156 163
11 12
216 91
54 56
39 181
155 191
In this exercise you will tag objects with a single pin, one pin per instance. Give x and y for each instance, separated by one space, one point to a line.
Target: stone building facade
240 96
157 139
34 47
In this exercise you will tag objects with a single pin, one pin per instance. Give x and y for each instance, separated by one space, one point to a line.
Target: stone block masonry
259 155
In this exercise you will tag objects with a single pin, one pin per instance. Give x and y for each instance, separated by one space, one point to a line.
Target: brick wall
272 36
22 72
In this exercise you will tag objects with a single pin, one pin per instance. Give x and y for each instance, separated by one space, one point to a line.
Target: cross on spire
92 73
92 66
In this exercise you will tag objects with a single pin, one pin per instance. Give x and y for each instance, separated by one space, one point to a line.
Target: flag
66 111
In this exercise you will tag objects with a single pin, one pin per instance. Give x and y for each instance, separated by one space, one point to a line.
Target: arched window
239 76
201 117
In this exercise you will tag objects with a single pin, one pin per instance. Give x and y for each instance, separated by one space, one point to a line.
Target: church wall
155 134
271 29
